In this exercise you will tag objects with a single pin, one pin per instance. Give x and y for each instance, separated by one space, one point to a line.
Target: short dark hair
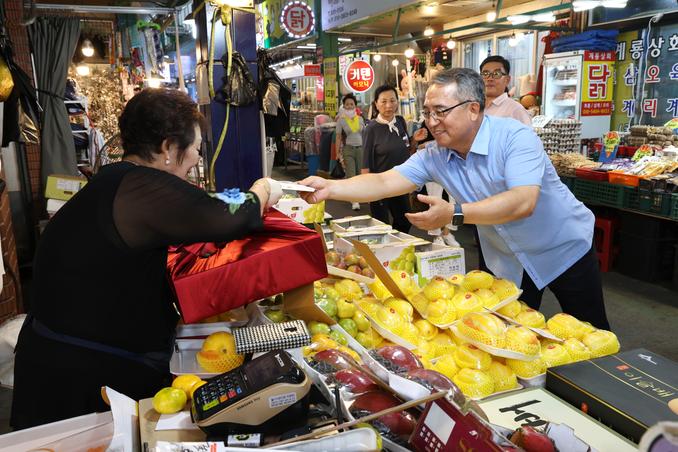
383 89
347 97
497 59
469 84
155 115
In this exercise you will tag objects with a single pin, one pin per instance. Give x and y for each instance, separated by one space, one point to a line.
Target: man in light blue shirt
532 229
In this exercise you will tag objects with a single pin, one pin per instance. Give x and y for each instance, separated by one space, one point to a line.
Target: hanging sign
337 13
297 19
312 70
330 85
359 76
598 83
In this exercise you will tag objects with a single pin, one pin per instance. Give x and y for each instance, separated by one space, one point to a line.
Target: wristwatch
457 216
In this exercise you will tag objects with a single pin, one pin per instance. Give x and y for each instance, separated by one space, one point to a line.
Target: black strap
154 360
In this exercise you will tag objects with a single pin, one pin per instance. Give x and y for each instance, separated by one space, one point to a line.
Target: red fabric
283 256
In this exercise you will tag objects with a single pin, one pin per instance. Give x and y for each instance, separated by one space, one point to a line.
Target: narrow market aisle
641 314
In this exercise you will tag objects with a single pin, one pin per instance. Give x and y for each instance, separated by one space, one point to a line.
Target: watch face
458 219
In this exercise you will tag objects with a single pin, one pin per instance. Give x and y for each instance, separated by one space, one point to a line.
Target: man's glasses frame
439 115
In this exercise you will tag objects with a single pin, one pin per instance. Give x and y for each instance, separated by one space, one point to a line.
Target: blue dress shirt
507 154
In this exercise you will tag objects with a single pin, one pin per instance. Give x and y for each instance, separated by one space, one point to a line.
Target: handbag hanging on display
338 171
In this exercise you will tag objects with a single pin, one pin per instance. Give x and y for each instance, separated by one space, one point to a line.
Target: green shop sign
286 20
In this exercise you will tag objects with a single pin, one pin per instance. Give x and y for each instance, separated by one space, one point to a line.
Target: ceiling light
614 3
519 36
409 53
395 63
433 4
87 49
154 82
491 16
451 44
544 17
584 5
82 69
428 31
518 19
513 41
344 39
377 57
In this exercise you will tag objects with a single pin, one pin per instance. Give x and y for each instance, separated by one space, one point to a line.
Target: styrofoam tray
517 388
494 350
535 382
386 334
507 300
202 330
539 331
183 358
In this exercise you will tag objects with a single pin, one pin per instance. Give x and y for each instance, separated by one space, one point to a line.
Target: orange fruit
169 400
186 383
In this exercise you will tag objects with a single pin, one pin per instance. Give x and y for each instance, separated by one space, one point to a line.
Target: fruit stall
385 355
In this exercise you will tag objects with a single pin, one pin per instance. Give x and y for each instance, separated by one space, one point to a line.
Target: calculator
268 394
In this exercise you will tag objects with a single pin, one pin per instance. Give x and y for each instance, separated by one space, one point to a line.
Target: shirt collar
481 142
500 99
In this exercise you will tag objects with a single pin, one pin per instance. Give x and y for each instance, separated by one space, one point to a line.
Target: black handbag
338 171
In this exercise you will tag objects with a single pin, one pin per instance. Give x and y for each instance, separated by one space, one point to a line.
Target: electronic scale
269 394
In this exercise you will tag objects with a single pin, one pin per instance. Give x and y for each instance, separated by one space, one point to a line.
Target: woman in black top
101 312
385 145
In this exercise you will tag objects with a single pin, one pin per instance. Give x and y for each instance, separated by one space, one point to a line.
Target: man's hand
420 135
322 189
438 214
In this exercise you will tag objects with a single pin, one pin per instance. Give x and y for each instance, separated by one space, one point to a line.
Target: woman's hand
268 191
420 135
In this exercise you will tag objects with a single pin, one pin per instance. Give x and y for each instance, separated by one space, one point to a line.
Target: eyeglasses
495 75
439 115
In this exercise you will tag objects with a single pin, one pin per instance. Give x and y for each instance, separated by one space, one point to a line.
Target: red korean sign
297 19
597 86
359 76
312 70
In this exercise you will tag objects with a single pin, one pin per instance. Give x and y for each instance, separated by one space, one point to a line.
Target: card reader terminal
254 397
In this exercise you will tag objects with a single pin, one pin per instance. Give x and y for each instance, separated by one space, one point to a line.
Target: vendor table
148 418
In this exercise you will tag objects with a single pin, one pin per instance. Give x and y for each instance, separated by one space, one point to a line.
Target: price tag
541 120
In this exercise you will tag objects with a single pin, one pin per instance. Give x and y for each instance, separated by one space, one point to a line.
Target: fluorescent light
409 53
518 19
87 49
377 57
395 63
154 82
519 36
82 69
544 17
491 16
451 44
344 39
614 3
428 31
584 5
298 57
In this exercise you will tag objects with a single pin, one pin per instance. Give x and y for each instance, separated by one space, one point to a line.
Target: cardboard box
283 256
301 211
63 187
536 407
630 391
359 223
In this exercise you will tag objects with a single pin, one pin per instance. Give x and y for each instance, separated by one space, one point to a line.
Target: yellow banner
331 87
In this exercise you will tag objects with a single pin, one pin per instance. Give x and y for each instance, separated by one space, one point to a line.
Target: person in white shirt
495 71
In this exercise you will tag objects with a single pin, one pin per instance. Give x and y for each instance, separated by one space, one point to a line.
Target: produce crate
588 174
658 202
648 227
631 198
646 259
674 206
629 180
568 181
599 193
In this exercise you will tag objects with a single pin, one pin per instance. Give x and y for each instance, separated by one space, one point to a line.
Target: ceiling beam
105 9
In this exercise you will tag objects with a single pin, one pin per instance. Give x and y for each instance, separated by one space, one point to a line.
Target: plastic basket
631 198
599 193
673 213
629 180
583 173
568 181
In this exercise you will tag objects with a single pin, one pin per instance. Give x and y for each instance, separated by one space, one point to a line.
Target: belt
156 360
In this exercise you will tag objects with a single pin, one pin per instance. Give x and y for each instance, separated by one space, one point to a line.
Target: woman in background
349 139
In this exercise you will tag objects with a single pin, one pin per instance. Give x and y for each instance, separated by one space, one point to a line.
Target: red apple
532 440
332 258
351 259
355 381
362 262
400 357
434 379
400 424
354 269
329 361
368 272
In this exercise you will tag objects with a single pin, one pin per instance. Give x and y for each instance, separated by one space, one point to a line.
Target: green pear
327 305
318 328
365 339
349 326
340 338
345 309
361 321
275 315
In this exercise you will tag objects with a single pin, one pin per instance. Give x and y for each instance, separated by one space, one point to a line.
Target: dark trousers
397 207
578 290
481 259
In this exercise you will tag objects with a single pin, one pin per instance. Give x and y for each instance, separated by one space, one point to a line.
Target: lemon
169 400
186 383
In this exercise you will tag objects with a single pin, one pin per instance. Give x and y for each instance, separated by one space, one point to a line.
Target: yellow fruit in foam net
532 318
474 383
577 349
404 281
471 357
477 279
522 340
379 289
466 302
349 289
437 288
427 330
426 348
601 343
390 319
482 327
370 305
511 310
527 369
457 280
218 353
443 344
403 307
503 288
446 365
566 326
441 312
504 377
419 302
555 355
487 297
410 333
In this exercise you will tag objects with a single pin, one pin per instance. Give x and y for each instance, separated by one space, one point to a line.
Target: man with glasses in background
495 71
532 229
